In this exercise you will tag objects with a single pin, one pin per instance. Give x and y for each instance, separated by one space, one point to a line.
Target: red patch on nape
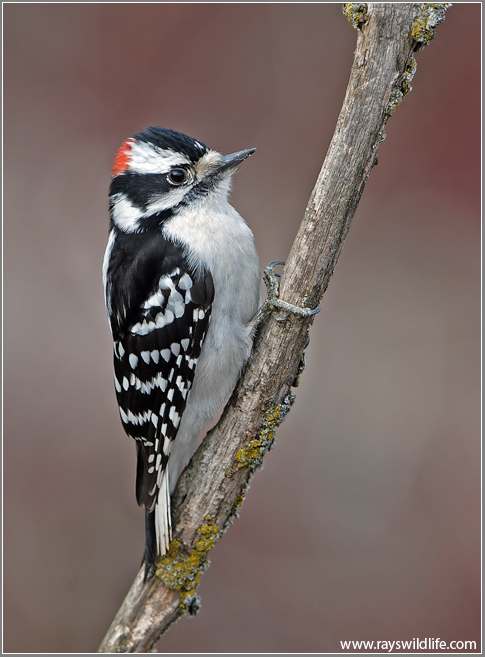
121 160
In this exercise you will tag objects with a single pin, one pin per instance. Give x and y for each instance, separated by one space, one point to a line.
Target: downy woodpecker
182 282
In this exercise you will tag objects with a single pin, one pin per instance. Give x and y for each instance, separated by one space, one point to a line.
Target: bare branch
212 488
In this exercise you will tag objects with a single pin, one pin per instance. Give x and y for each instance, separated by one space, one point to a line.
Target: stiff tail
158 528
163 523
150 553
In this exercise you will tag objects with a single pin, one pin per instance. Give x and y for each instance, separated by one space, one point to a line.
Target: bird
182 285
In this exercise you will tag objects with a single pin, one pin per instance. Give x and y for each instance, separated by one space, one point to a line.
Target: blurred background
365 521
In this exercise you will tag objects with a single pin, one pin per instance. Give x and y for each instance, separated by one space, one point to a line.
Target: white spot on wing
175 348
166 281
156 299
169 316
147 386
160 320
131 418
174 417
155 354
185 282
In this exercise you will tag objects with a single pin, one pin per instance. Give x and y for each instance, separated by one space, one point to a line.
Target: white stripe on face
125 215
148 158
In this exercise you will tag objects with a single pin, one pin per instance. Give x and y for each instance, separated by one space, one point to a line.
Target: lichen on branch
432 14
355 13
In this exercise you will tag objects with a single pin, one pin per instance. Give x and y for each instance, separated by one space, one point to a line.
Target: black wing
159 324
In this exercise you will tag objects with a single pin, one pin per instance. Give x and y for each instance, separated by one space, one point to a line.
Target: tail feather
158 528
163 524
150 553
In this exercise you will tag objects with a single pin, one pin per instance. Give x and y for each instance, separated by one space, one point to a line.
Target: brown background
364 523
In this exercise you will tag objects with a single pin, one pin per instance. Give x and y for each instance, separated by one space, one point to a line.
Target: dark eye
177 176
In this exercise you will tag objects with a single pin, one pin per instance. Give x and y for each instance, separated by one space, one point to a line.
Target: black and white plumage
182 283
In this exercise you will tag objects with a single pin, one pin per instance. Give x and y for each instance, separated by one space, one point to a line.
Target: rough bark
212 488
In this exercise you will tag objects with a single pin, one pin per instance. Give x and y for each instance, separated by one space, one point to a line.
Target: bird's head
158 172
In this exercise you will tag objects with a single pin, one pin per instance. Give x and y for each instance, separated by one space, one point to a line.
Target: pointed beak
231 161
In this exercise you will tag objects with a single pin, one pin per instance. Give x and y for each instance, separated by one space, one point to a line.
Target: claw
273 264
316 310
272 287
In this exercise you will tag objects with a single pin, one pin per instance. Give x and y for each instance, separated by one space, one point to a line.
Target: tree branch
211 489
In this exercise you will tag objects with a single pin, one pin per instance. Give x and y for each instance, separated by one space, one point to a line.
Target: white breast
218 238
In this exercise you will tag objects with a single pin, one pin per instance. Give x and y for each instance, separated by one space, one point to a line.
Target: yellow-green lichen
252 453
400 89
432 14
238 502
355 13
181 571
